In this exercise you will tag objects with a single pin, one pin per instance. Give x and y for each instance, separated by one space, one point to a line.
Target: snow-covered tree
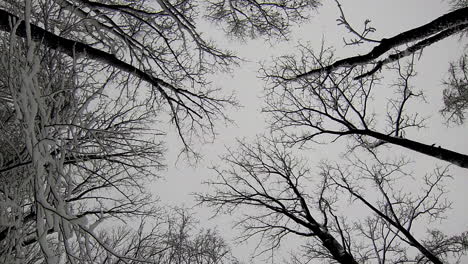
84 89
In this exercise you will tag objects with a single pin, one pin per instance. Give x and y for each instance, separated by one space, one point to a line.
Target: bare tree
339 97
365 207
282 197
258 18
456 92
171 237
394 206
270 180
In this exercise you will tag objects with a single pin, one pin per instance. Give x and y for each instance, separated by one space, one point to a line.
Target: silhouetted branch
444 26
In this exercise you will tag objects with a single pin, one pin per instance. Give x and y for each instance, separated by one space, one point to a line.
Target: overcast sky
389 18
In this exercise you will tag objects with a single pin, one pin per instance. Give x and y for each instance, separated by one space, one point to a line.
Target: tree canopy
84 85
87 89
314 99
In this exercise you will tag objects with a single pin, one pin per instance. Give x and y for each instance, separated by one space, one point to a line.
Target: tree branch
454 22
430 150
75 48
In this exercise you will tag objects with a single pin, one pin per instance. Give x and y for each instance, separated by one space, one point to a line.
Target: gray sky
389 18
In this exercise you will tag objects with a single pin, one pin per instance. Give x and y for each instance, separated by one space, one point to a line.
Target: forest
233 131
